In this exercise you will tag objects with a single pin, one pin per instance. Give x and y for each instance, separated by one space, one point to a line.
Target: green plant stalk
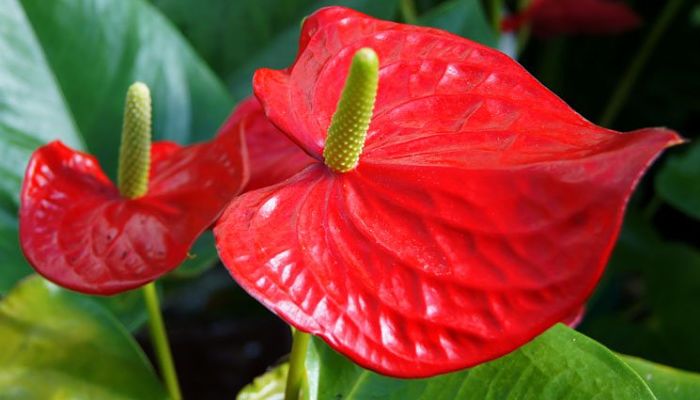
134 167
408 11
159 338
297 370
495 9
525 31
630 76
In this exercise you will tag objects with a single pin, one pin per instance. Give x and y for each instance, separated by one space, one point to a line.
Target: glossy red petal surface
76 230
483 209
556 17
272 156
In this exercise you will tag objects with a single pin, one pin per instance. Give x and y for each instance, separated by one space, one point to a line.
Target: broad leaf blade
32 112
560 363
269 386
667 383
57 344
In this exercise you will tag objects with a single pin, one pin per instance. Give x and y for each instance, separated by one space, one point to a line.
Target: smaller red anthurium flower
557 17
455 208
81 231
272 156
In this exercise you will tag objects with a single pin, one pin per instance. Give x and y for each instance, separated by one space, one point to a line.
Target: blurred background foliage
65 66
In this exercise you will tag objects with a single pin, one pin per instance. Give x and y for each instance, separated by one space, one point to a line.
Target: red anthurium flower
272 156
77 230
482 211
556 17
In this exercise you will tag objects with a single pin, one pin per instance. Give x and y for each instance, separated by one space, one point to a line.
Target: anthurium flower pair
482 209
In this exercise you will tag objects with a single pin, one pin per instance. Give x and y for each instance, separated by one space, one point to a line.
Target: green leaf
678 182
57 345
560 363
269 386
64 71
265 33
462 17
667 383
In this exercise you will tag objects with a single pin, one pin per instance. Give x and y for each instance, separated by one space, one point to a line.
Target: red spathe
482 212
272 156
79 232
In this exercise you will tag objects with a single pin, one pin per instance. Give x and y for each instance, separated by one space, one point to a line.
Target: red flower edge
482 212
272 156
79 232
557 17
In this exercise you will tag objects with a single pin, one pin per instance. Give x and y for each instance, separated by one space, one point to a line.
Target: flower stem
408 11
635 68
495 9
159 338
525 30
134 167
297 371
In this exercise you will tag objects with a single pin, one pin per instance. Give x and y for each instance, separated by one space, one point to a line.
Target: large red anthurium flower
481 212
78 230
557 17
272 156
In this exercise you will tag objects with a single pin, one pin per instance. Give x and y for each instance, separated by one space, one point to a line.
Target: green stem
408 11
495 9
525 30
159 338
297 371
635 68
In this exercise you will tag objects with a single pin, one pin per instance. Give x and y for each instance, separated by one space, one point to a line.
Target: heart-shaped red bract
482 212
79 232
272 156
557 17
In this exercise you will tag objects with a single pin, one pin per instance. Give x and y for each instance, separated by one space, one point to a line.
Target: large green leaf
58 345
462 17
666 383
64 70
238 37
269 386
559 364
678 182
